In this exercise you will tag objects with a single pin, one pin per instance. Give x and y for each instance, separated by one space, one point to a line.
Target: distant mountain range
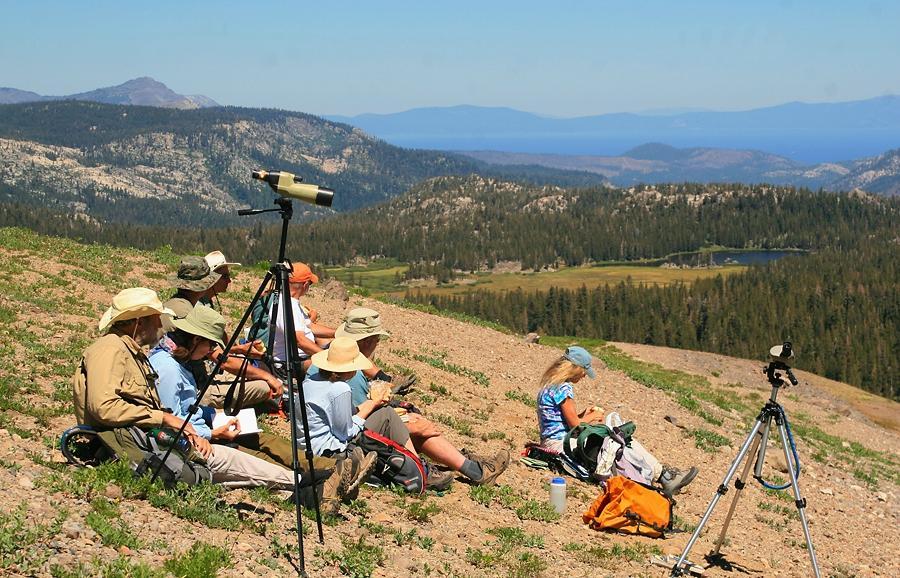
808 133
659 163
153 165
142 91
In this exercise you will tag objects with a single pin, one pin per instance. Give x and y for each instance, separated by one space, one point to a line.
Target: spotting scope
292 186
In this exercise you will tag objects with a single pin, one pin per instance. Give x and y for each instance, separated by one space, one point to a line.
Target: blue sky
560 59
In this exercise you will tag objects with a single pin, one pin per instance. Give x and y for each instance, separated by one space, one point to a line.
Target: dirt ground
854 524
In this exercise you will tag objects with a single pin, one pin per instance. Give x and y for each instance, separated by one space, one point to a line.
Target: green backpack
584 441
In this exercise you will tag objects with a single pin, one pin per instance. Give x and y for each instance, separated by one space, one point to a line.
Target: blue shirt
359 385
177 388
329 410
549 411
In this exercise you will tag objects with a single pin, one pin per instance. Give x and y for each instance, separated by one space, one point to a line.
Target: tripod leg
677 570
739 487
799 501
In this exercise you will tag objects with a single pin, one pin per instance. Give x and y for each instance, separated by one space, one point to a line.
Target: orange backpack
629 507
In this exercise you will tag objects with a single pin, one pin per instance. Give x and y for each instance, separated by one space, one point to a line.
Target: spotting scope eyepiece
292 186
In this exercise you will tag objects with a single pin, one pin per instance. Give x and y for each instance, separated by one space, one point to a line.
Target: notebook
246 417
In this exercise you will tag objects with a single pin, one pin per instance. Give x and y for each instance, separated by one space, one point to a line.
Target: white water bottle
558 494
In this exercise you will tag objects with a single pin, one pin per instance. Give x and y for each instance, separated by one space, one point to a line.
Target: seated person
363 325
333 425
557 415
114 388
192 339
193 282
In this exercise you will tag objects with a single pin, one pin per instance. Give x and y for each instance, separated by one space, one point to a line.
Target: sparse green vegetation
106 520
23 545
516 395
201 561
708 441
357 559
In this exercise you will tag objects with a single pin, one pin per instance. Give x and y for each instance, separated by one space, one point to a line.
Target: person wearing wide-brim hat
193 338
334 423
193 281
364 326
220 265
114 386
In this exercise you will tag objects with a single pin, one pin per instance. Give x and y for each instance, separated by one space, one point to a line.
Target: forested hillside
840 307
156 166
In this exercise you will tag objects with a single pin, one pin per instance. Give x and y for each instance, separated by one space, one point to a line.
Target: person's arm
233 366
366 408
343 424
571 416
105 378
320 330
178 394
306 345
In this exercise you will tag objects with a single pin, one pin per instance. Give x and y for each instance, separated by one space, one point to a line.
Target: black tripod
279 272
755 445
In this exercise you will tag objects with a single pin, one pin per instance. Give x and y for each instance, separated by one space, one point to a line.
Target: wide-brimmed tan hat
204 322
216 259
132 303
361 322
342 355
194 274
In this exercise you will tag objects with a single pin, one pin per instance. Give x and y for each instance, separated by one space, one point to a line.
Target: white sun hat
133 303
342 355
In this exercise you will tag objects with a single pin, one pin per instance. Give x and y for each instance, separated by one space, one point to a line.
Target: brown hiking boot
331 489
491 467
358 467
674 480
438 480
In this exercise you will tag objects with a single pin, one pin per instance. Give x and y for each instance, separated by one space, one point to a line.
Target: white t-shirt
301 323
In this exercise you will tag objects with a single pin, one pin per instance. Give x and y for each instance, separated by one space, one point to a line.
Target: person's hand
276 388
200 444
228 431
593 415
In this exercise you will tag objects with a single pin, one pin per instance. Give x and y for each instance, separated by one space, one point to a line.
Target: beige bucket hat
216 259
204 322
342 355
194 274
133 303
361 322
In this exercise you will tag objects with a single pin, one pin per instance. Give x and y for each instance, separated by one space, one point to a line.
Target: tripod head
780 356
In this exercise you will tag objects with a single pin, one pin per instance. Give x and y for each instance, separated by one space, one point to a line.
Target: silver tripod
755 445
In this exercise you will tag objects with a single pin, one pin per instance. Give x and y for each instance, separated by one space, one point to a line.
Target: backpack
395 463
85 446
584 442
632 508
259 328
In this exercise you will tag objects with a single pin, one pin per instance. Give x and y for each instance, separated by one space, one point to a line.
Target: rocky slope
477 384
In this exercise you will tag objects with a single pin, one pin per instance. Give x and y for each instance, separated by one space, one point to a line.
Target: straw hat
194 274
204 322
216 259
131 304
361 322
342 355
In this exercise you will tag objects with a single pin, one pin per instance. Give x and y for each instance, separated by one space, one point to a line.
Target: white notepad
246 417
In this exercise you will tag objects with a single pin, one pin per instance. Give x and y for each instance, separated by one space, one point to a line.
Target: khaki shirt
115 386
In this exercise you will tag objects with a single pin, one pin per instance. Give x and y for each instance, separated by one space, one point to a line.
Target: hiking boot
438 480
673 480
491 467
358 467
331 489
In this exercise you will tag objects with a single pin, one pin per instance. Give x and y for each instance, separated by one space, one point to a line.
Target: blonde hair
561 371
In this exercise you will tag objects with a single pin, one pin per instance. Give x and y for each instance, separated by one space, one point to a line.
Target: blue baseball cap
580 357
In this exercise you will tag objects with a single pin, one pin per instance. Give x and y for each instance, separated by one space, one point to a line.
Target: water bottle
165 436
558 494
